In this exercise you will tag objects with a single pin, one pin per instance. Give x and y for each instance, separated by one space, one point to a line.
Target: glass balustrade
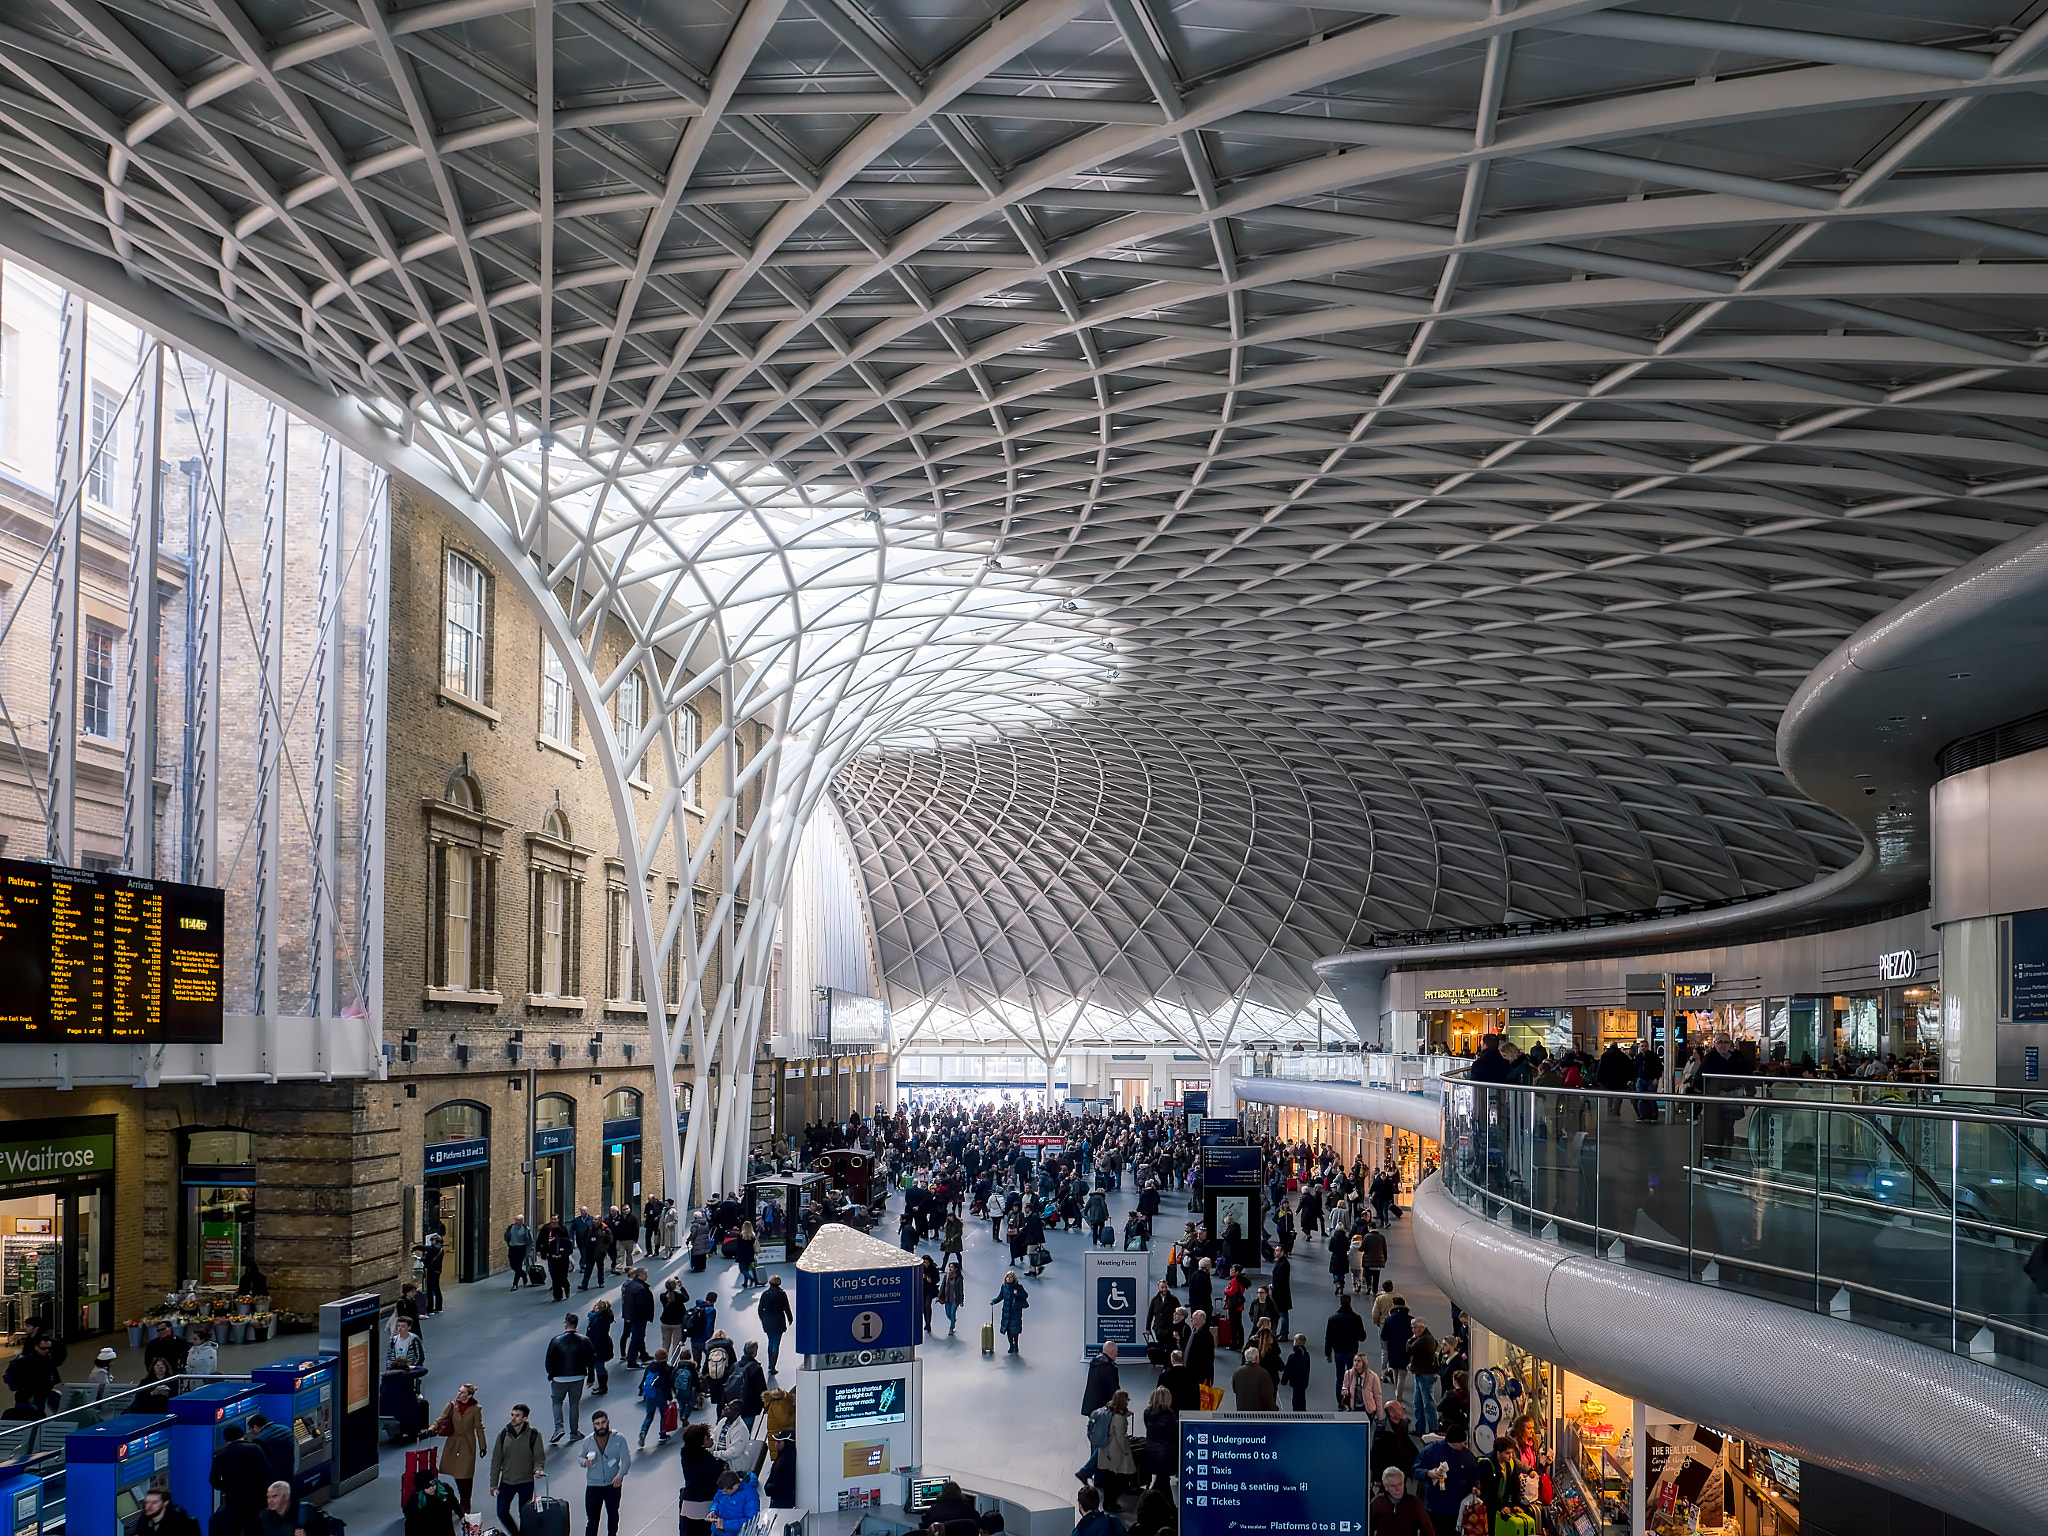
1926 1219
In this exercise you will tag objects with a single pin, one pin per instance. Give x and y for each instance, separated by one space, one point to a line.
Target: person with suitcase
1013 1299
544 1516
657 1397
605 1460
518 1459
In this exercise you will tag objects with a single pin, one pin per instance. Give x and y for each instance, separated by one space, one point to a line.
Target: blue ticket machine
21 1504
299 1395
197 1421
109 1467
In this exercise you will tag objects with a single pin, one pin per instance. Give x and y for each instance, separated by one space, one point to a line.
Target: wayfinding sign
855 1293
1113 1299
1299 1474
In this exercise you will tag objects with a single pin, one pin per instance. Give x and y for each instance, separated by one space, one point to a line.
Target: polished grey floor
1015 1418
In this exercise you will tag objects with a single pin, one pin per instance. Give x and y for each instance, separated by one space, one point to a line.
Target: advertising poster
356 1391
219 1252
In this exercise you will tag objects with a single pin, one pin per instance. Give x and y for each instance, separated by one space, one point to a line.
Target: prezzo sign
1897 965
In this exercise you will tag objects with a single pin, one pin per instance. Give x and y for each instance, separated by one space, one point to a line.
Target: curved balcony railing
1926 1220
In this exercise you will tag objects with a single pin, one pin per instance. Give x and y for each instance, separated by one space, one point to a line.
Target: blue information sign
2029 975
841 1311
1219 1130
1195 1101
1231 1165
449 1156
1299 1474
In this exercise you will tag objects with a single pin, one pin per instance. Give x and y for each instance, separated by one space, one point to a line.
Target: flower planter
135 1335
243 1308
234 1331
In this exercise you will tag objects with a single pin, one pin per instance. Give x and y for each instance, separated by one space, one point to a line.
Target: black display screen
100 955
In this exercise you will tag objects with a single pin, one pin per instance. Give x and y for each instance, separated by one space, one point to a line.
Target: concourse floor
1013 1417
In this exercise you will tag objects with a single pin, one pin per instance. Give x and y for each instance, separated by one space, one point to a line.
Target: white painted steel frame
1467 422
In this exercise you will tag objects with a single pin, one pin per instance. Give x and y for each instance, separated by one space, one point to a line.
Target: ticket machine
300 1394
197 1422
109 1467
21 1504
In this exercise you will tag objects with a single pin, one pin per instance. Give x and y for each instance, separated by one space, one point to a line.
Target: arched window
463 792
556 825
622 1104
554 1112
459 1121
463 893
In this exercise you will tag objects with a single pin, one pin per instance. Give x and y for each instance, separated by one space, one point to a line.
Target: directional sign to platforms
1297 1474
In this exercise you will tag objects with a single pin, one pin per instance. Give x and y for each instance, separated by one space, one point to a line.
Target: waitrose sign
50 1157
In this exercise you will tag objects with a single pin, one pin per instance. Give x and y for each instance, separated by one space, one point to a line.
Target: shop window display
218 1184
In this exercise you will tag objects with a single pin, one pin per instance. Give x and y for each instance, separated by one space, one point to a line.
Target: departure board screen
100 955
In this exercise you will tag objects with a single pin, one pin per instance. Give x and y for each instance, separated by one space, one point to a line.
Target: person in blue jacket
1446 1471
737 1502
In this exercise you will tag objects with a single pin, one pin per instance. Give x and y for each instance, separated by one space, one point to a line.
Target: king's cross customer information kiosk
860 1403
109 1467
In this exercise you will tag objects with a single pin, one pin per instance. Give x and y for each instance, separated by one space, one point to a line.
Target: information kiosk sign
1303 1474
855 1293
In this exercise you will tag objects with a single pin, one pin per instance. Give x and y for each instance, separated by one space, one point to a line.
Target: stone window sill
565 1004
549 744
463 701
452 995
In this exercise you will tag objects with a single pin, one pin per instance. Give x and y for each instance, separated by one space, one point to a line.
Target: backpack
694 1320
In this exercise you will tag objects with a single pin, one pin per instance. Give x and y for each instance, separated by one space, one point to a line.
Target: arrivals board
99 955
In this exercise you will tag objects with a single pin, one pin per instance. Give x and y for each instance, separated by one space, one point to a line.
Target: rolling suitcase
544 1516
988 1335
420 1467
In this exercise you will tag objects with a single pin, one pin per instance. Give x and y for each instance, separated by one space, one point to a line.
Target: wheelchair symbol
1118 1296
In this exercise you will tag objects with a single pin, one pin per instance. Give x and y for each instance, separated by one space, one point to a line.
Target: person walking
1295 1373
675 1302
568 1364
1340 1257
1342 1335
1283 1290
555 1248
241 1474
1395 1334
657 1391
462 1423
1423 1361
952 1292
1013 1299
1103 1380
598 1330
605 1460
701 1472
1372 1258
1252 1386
636 1311
518 1242
744 1248
774 1314
518 1460
1396 1511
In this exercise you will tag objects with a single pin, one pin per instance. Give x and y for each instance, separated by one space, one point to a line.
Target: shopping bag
671 1416
1212 1398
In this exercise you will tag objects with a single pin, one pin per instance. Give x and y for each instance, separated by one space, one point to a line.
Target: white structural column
376 663
270 632
208 537
145 619
328 645
74 434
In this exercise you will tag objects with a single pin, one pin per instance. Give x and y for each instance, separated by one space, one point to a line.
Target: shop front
216 1208
554 1158
56 1224
619 1167
456 1169
1617 1465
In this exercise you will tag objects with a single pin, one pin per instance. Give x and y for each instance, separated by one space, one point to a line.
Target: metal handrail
1634 1096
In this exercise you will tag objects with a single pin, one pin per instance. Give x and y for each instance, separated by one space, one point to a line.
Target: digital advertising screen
857 1404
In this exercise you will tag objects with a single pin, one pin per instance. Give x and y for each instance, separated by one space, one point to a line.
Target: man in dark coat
1201 1349
241 1473
1183 1383
1103 1381
636 1311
